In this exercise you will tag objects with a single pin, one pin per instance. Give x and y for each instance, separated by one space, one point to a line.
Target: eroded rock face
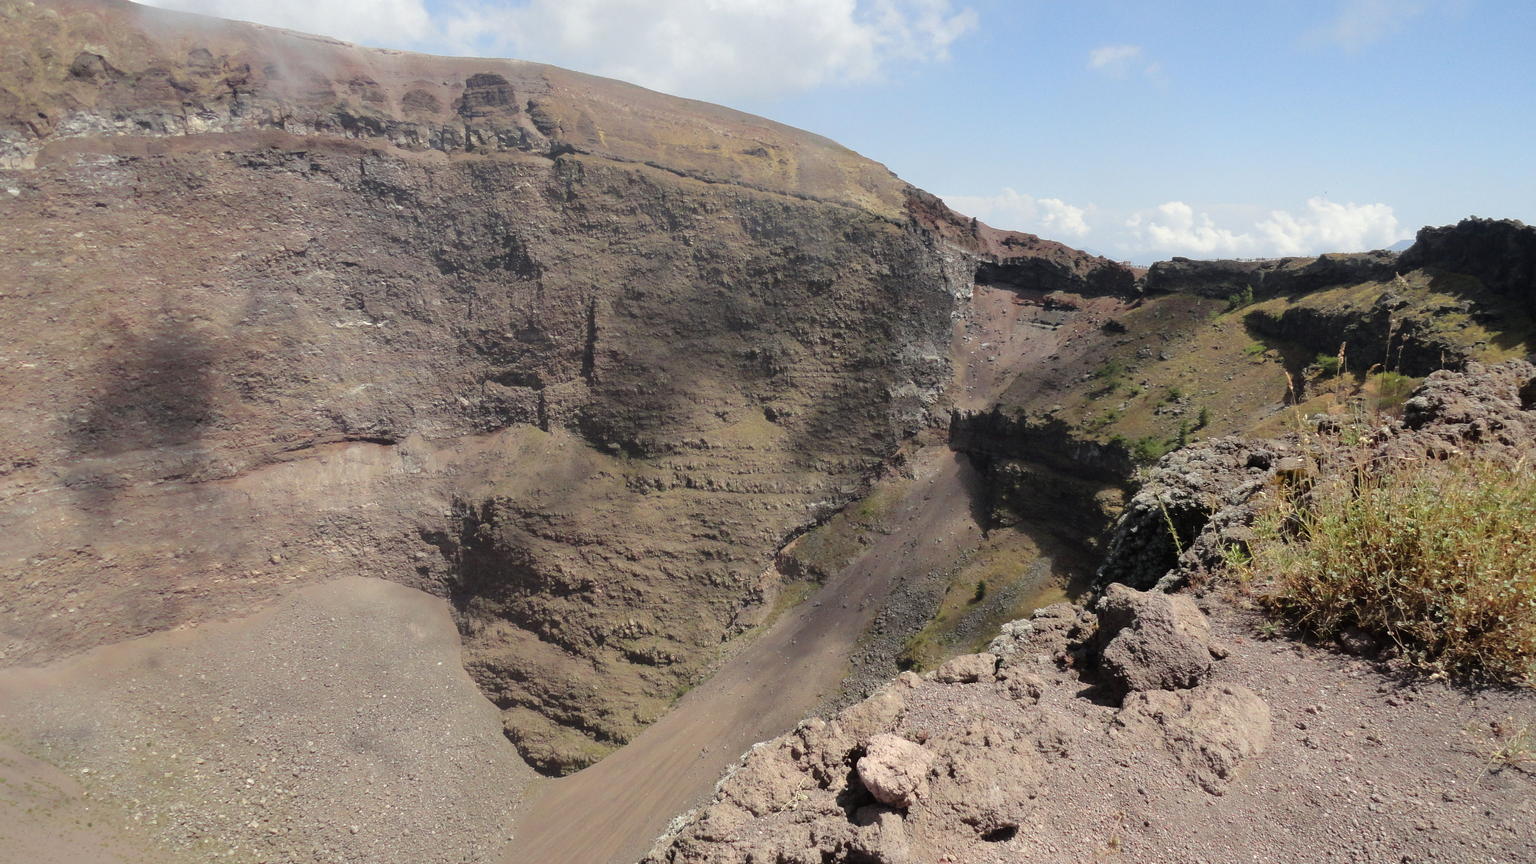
1500 252
1266 278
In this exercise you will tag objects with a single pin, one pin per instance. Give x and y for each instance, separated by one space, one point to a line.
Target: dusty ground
337 725
48 817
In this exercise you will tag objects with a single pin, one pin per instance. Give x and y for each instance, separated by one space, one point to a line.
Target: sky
1139 130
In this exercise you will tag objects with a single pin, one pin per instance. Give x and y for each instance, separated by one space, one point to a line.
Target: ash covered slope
575 355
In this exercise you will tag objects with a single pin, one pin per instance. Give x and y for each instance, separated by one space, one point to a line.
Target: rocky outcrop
1197 503
1389 333
1501 253
1045 762
894 770
1176 502
956 765
1019 261
1212 731
1221 279
996 434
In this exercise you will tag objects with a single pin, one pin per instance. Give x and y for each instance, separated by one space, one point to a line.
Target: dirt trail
613 810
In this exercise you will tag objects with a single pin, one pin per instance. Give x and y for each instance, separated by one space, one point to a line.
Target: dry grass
1438 559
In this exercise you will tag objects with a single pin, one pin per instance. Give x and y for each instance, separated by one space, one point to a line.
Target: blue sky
1137 129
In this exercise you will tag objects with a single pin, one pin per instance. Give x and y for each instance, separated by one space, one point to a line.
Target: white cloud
1331 227
375 22
1113 58
1175 228
1121 61
1179 228
1052 218
713 49
1361 22
719 49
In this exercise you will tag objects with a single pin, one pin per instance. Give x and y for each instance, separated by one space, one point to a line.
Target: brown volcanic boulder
1152 640
894 770
968 669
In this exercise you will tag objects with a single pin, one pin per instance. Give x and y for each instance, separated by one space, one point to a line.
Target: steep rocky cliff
575 355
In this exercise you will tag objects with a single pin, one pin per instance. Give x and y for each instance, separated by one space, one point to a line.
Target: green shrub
1239 299
1327 365
1150 449
1255 349
1438 559
1204 419
1392 390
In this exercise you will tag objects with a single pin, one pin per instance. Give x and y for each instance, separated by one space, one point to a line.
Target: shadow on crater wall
151 391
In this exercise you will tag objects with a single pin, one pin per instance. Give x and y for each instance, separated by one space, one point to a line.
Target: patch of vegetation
1436 559
828 548
1204 419
1255 349
1108 418
1392 391
1001 580
981 592
1328 365
1110 370
791 594
1239 299
1513 746
1150 449
1110 376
